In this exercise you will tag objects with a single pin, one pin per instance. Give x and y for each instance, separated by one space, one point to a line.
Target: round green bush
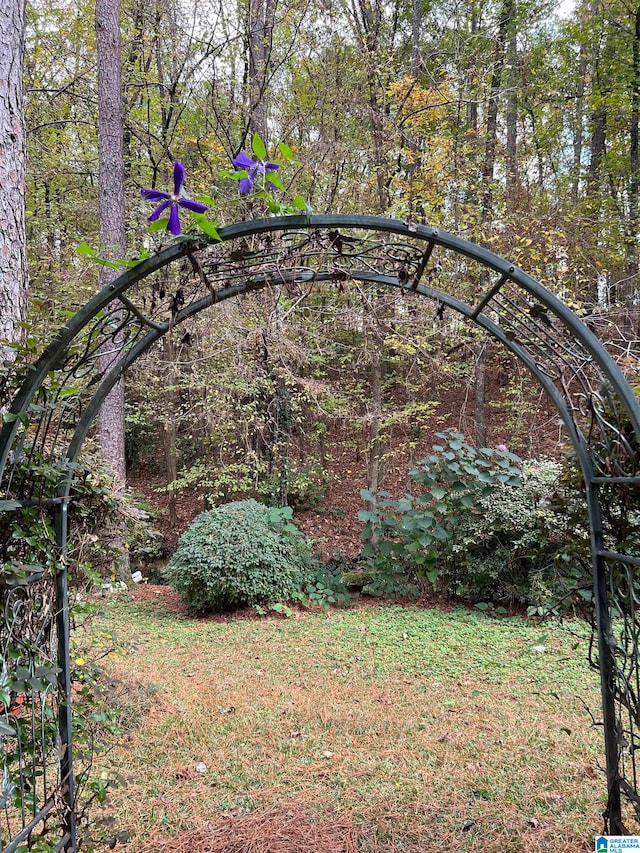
238 555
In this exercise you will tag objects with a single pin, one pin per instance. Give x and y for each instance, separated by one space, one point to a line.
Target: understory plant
486 526
413 537
241 554
508 549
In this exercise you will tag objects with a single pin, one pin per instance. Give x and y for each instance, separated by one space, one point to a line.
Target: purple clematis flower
173 201
256 169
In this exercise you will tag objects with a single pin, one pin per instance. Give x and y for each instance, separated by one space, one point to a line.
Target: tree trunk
578 125
169 425
631 286
598 125
112 230
470 75
599 118
506 22
111 207
512 113
376 437
13 247
488 165
416 26
260 34
481 394
597 146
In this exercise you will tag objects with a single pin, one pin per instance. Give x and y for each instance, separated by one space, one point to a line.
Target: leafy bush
99 518
325 585
569 586
510 544
414 535
240 554
485 527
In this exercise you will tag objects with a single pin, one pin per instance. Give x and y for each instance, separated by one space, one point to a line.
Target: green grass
377 727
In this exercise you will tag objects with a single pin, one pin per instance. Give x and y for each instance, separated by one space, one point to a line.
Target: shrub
413 536
324 586
511 542
240 554
486 527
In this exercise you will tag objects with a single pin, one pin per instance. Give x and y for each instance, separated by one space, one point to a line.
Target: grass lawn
378 728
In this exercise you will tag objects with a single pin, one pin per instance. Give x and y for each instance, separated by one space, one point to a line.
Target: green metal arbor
47 420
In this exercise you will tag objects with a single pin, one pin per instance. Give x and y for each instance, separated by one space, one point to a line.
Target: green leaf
158 225
258 147
482 605
299 203
286 152
86 250
5 729
438 493
204 225
274 178
9 505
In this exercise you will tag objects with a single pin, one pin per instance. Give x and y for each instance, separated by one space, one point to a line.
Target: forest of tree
505 122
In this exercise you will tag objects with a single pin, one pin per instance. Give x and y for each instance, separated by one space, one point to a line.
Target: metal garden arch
53 410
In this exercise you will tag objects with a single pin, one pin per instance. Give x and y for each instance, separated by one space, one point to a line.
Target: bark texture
633 225
13 250
512 113
488 166
260 34
111 209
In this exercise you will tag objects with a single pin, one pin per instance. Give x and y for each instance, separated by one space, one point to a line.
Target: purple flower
255 169
173 201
